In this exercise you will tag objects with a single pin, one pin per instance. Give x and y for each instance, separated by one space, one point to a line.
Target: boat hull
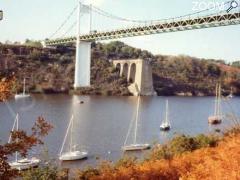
136 147
22 96
75 155
165 128
214 120
25 164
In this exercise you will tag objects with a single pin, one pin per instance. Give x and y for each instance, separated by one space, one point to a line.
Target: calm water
101 123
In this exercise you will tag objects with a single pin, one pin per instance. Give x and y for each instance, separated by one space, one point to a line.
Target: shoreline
72 92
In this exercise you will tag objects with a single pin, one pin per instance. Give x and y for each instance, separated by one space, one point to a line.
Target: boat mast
16 154
71 139
166 118
216 100
24 84
136 121
14 124
219 100
65 137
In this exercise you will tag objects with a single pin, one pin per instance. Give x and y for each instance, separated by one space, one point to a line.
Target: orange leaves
41 128
220 162
6 85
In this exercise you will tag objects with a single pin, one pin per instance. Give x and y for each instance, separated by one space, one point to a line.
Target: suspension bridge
207 18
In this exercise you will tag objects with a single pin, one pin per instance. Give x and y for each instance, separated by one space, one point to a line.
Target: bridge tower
83 56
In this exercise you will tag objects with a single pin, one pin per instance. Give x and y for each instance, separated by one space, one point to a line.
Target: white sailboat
23 94
165 126
217 117
135 146
72 154
26 163
230 96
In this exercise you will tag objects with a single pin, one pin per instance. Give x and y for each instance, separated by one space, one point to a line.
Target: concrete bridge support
139 73
83 57
82 64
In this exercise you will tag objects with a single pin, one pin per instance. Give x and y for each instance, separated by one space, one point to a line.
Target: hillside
52 70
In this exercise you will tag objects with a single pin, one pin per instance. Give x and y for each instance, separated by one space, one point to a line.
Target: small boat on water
23 94
135 146
81 102
165 126
72 154
217 117
230 96
26 163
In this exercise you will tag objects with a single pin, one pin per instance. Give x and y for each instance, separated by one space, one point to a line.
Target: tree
6 86
21 142
236 64
35 55
33 43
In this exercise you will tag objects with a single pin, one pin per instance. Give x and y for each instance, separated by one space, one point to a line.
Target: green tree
33 43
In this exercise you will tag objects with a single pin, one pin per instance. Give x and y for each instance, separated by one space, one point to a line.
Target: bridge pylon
83 57
82 64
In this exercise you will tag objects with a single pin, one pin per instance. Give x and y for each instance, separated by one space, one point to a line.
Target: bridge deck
181 25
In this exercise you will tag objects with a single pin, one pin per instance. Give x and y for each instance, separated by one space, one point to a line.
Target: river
101 123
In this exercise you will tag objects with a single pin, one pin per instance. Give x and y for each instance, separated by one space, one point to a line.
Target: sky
38 19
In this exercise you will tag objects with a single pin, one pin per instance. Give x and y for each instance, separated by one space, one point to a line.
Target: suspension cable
64 22
112 16
69 29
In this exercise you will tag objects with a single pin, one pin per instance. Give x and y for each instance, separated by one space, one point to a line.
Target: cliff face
52 71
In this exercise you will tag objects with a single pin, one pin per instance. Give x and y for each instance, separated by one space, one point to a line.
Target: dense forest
51 70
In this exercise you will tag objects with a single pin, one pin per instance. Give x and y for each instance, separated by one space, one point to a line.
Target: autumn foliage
6 85
21 142
220 162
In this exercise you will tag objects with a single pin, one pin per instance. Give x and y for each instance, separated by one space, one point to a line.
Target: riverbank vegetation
183 157
51 70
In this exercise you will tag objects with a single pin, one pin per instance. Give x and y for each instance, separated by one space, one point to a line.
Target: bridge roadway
181 25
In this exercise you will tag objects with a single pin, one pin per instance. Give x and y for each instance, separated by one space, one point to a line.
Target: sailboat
72 154
135 146
26 163
217 117
165 126
230 96
23 94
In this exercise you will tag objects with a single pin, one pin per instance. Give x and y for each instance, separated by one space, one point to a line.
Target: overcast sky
37 19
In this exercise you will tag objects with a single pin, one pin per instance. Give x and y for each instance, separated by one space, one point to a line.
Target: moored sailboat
135 146
26 163
23 94
165 126
72 154
230 96
217 117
